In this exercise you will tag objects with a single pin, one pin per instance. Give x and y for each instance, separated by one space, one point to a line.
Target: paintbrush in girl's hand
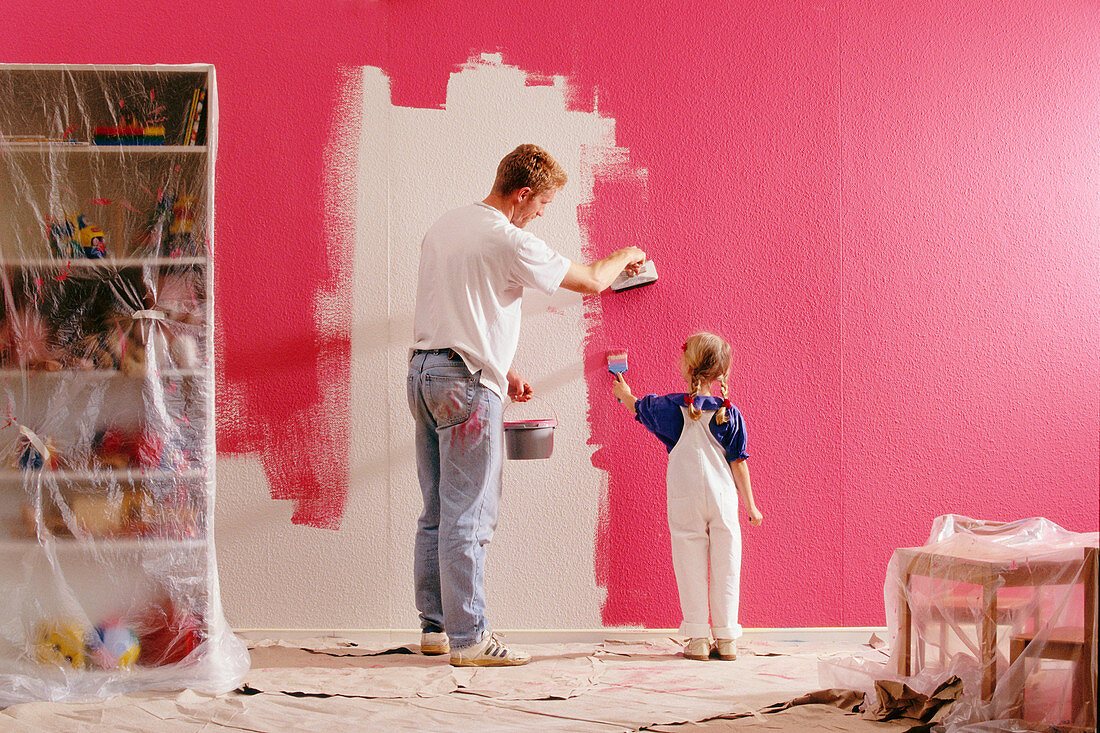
616 362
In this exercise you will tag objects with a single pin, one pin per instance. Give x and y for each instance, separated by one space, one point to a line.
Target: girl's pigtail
723 415
694 412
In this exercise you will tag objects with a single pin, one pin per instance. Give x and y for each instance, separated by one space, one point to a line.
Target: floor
603 683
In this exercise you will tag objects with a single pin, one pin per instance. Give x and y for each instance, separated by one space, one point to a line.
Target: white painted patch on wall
413 165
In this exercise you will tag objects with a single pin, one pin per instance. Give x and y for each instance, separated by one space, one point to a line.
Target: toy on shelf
31 342
34 453
120 449
97 515
155 231
163 517
117 342
168 633
76 238
117 515
170 229
177 297
131 131
112 447
93 242
147 450
113 645
60 642
182 239
63 240
52 521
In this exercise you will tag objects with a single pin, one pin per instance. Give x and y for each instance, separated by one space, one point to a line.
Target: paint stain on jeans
472 432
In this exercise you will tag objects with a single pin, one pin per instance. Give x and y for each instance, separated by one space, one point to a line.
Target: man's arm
597 276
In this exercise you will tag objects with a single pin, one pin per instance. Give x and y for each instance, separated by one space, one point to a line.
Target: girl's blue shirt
662 416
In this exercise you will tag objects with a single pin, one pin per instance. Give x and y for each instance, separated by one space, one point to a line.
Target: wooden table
1064 567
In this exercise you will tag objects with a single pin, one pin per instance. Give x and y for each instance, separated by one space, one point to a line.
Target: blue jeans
459 436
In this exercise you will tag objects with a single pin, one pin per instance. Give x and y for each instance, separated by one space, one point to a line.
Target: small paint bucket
526 440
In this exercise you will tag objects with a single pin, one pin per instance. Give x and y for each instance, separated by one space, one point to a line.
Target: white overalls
702 517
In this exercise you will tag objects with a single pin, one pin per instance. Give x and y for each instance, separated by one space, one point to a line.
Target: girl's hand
755 517
620 388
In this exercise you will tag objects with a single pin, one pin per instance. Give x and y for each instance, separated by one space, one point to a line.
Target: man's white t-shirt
474 265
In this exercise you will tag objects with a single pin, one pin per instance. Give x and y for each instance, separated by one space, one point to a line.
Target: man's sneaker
697 648
434 643
726 649
488 652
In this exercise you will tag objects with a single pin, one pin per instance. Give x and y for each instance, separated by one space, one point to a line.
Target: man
474 264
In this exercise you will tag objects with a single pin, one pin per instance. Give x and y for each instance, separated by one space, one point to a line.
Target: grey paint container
529 439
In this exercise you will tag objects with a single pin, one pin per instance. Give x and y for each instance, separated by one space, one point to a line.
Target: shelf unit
107 447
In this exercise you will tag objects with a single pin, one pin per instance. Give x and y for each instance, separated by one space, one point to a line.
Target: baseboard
397 637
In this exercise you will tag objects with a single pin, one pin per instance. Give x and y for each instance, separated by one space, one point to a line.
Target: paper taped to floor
613 686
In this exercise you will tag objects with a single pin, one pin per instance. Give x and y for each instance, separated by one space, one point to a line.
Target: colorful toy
63 240
71 239
168 633
93 242
60 642
117 448
129 130
183 215
113 645
97 516
146 450
112 447
31 341
32 457
177 295
181 240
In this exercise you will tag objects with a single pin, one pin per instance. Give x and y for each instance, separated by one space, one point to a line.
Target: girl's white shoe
726 648
697 649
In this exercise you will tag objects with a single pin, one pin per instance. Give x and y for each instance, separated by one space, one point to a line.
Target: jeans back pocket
450 398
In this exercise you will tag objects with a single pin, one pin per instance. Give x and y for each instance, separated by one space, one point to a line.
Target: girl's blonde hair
707 358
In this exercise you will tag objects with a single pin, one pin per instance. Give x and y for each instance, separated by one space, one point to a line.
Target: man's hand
518 388
596 277
636 260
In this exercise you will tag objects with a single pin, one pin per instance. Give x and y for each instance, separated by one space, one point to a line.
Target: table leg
1086 678
905 628
989 640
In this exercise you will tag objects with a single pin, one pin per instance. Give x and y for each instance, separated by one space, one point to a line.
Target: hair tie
688 401
684 347
727 404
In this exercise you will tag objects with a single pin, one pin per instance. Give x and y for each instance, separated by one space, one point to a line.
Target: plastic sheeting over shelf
108 580
1008 608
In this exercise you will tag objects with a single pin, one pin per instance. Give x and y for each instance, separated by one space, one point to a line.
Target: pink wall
891 213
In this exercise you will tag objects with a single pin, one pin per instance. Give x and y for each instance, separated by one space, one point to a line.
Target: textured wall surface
892 213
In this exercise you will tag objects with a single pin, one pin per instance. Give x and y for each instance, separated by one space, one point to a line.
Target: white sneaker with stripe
489 652
434 643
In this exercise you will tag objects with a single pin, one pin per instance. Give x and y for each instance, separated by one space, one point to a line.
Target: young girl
705 438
